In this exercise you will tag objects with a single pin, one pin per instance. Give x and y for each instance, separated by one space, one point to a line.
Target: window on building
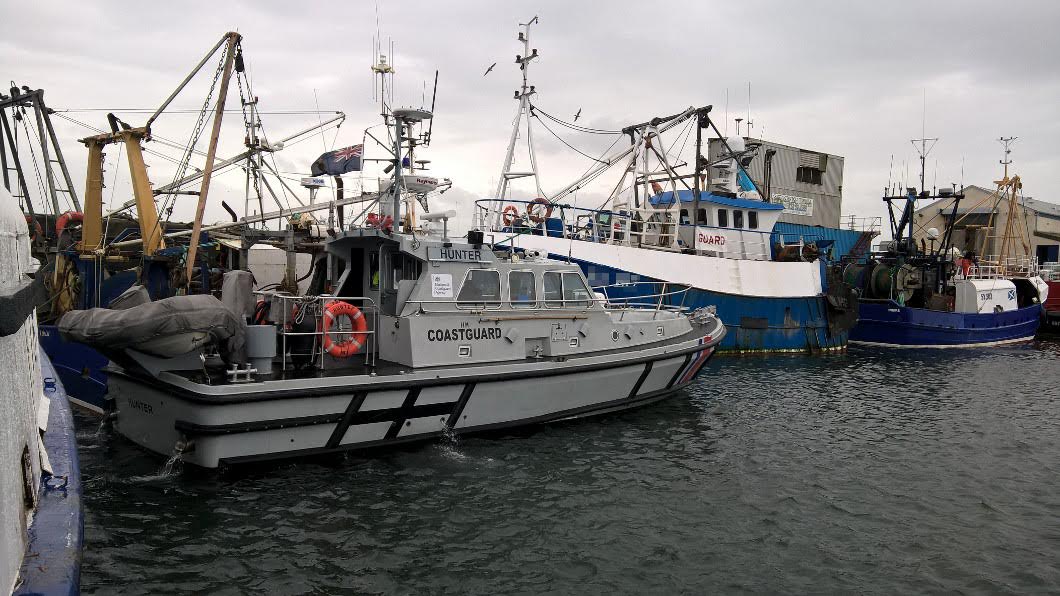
521 289
752 220
737 218
481 287
723 218
808 175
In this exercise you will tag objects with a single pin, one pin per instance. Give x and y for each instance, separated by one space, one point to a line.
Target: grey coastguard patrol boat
401 336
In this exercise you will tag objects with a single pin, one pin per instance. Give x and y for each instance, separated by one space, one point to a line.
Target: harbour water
869 472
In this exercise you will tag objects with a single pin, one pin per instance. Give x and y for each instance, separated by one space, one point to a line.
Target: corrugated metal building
979 227
808 183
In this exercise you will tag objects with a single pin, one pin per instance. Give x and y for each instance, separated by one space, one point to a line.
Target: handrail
367 306
659 229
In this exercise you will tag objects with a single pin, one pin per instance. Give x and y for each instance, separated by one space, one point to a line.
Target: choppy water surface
864 473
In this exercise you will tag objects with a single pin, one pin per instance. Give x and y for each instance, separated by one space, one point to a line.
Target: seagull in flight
489 69
578 115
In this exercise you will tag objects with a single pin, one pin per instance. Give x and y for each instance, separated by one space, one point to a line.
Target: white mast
523 95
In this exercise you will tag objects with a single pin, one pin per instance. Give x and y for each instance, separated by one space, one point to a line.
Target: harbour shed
808 183
981 221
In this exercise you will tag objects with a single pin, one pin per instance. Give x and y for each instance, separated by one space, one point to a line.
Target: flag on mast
339 161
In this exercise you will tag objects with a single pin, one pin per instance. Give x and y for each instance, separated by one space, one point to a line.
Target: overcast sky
845 78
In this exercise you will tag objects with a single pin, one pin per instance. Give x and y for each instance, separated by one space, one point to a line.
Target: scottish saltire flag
340 161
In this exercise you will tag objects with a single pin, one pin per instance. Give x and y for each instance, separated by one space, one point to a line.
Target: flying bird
489 69
578 115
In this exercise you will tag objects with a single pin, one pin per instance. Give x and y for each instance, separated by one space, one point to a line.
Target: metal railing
1019 266
861 224
295 308
659 229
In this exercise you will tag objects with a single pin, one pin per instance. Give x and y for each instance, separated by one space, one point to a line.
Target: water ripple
871 472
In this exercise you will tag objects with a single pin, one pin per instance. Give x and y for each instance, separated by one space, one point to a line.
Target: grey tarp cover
237 292
134 296
106 328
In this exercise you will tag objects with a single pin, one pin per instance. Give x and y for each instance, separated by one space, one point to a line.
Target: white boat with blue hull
455 340
673 218
767 305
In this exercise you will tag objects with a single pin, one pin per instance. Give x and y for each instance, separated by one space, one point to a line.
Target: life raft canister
533 216
358 335
509 214
65 218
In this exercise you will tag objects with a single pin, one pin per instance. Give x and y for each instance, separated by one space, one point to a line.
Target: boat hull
210 430
886 323
766 306
754 324
80 368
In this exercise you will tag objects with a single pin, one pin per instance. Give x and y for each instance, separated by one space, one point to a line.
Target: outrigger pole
232 39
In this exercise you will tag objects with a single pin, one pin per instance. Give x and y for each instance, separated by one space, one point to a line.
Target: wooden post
193 247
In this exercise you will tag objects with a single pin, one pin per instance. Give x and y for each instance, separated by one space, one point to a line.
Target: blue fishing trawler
913 296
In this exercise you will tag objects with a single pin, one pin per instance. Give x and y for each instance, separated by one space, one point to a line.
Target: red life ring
358 336
539 218
509 214
65 218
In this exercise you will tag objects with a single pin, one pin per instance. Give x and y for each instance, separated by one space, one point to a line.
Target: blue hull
52 564
79 367
890 324
753 324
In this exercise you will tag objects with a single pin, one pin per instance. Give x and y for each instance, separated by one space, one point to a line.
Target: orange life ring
539 218
509 214
358 336
65 218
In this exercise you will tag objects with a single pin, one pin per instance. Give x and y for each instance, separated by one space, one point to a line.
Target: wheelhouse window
701 216
684 217
481 287
723 218
522 292
553 286
752 220
566 290
737 218
574 291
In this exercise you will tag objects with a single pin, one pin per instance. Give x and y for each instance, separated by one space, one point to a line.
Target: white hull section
742 277
211 434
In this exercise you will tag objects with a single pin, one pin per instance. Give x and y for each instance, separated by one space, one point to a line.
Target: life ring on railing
358 336
532 216
65 218
509 214
35 231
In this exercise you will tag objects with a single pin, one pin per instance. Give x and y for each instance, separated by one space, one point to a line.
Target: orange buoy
534 217
358 336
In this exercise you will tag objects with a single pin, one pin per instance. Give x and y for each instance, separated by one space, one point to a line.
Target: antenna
522 94
726 111
750 122
1007 143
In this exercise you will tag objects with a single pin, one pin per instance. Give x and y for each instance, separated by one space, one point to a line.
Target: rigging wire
577 127
560 139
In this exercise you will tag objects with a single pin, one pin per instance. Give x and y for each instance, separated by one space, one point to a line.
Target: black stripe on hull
603 408
680 369
461 403
640 382
357 418
344 424
404 414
